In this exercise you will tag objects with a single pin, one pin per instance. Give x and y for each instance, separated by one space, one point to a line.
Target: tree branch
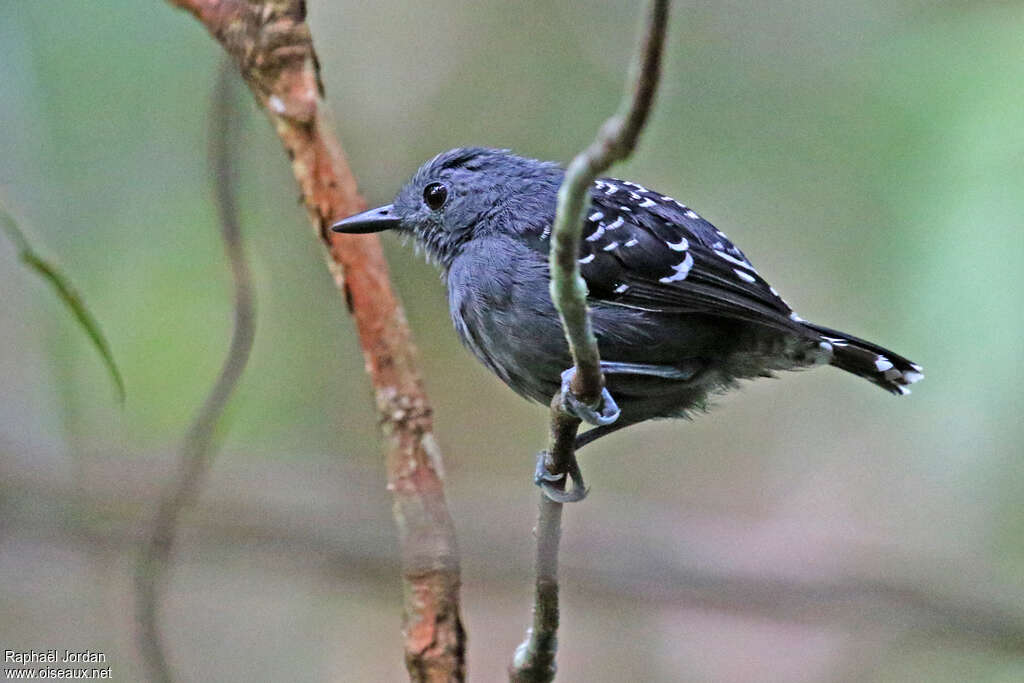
271 43
534 659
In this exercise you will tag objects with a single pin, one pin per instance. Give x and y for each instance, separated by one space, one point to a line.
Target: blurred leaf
67 294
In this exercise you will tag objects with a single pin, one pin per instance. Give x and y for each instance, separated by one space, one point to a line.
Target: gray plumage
678 311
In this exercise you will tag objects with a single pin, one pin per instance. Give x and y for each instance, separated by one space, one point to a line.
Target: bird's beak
374 220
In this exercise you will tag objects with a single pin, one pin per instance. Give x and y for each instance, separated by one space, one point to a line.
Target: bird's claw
542 474
604 413
546 480
574 495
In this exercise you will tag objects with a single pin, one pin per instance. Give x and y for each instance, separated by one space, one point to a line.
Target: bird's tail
892 372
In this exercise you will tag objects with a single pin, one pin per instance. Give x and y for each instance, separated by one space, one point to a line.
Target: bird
680 314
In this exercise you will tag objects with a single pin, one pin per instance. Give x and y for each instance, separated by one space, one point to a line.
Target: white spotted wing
646 250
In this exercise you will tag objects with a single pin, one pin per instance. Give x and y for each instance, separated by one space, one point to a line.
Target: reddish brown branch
273 47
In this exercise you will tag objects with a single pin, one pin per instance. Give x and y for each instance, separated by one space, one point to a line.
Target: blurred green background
868 157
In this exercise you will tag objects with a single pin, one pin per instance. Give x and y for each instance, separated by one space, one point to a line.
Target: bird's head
464 193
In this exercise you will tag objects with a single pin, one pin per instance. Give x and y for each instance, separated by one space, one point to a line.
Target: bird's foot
552 485
604 413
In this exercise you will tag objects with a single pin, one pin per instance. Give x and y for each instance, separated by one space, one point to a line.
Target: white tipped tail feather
892 372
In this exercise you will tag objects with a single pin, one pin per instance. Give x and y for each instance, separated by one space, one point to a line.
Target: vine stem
534 659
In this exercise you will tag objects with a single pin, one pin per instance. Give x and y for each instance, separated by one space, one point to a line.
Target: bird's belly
517 334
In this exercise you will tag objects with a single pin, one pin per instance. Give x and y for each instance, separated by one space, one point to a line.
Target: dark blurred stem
197 448
534 659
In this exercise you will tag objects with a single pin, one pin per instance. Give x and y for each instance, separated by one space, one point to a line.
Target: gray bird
678 310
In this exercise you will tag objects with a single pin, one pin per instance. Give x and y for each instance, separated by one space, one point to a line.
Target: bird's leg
604 413
677 373
552 482
603 416
592 435
547 481
620 373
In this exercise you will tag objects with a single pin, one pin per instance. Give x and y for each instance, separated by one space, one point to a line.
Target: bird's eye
434 195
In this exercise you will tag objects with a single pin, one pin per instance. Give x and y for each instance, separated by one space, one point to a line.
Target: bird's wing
645 250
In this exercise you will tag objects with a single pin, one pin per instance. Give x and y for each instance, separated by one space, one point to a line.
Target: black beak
374 220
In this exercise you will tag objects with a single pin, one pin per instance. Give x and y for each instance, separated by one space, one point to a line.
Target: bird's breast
502 312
